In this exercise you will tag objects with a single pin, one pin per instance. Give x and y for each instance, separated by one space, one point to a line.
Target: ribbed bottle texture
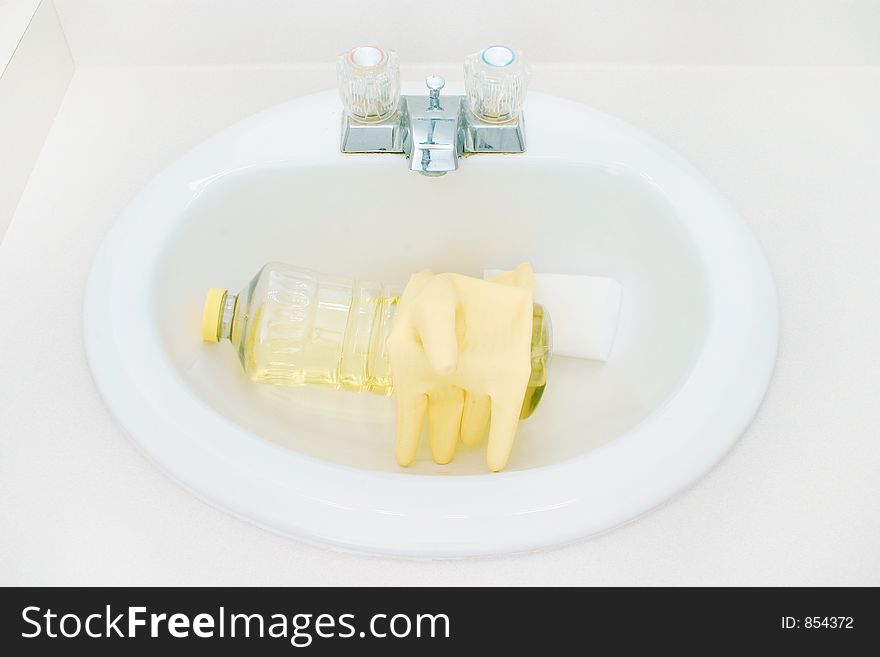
295 327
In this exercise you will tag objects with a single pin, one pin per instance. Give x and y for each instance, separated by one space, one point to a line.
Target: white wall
31 89
698 32
14 18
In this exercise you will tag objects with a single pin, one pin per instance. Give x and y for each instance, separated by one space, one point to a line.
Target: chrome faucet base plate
375 136
483 137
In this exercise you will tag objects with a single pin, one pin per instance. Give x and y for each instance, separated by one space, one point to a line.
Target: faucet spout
433 145
431 133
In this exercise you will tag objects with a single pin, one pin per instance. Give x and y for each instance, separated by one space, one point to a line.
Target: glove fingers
444 422
502 430
475 418
410 414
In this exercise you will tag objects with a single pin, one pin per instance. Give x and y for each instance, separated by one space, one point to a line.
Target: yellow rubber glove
460 350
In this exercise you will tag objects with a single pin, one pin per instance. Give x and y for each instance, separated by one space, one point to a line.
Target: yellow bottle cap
211 314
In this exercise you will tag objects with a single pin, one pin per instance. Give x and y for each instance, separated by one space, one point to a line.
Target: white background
777 102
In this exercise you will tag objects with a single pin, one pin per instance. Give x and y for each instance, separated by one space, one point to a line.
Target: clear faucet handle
495 80
369 82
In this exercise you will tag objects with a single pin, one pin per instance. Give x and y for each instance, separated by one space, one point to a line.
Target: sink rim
401 513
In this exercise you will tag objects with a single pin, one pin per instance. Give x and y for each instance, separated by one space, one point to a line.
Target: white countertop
796 502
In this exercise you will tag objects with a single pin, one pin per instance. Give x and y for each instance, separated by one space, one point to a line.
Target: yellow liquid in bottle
332 334
540 357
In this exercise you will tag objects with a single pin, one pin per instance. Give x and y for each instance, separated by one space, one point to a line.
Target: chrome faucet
432 130
431 135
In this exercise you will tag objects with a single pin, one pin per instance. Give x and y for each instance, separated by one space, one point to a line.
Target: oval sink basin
692 358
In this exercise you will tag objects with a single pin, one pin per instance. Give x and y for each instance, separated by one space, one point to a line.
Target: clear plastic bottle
292 326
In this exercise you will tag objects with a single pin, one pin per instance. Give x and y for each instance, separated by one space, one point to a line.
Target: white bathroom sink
693 355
